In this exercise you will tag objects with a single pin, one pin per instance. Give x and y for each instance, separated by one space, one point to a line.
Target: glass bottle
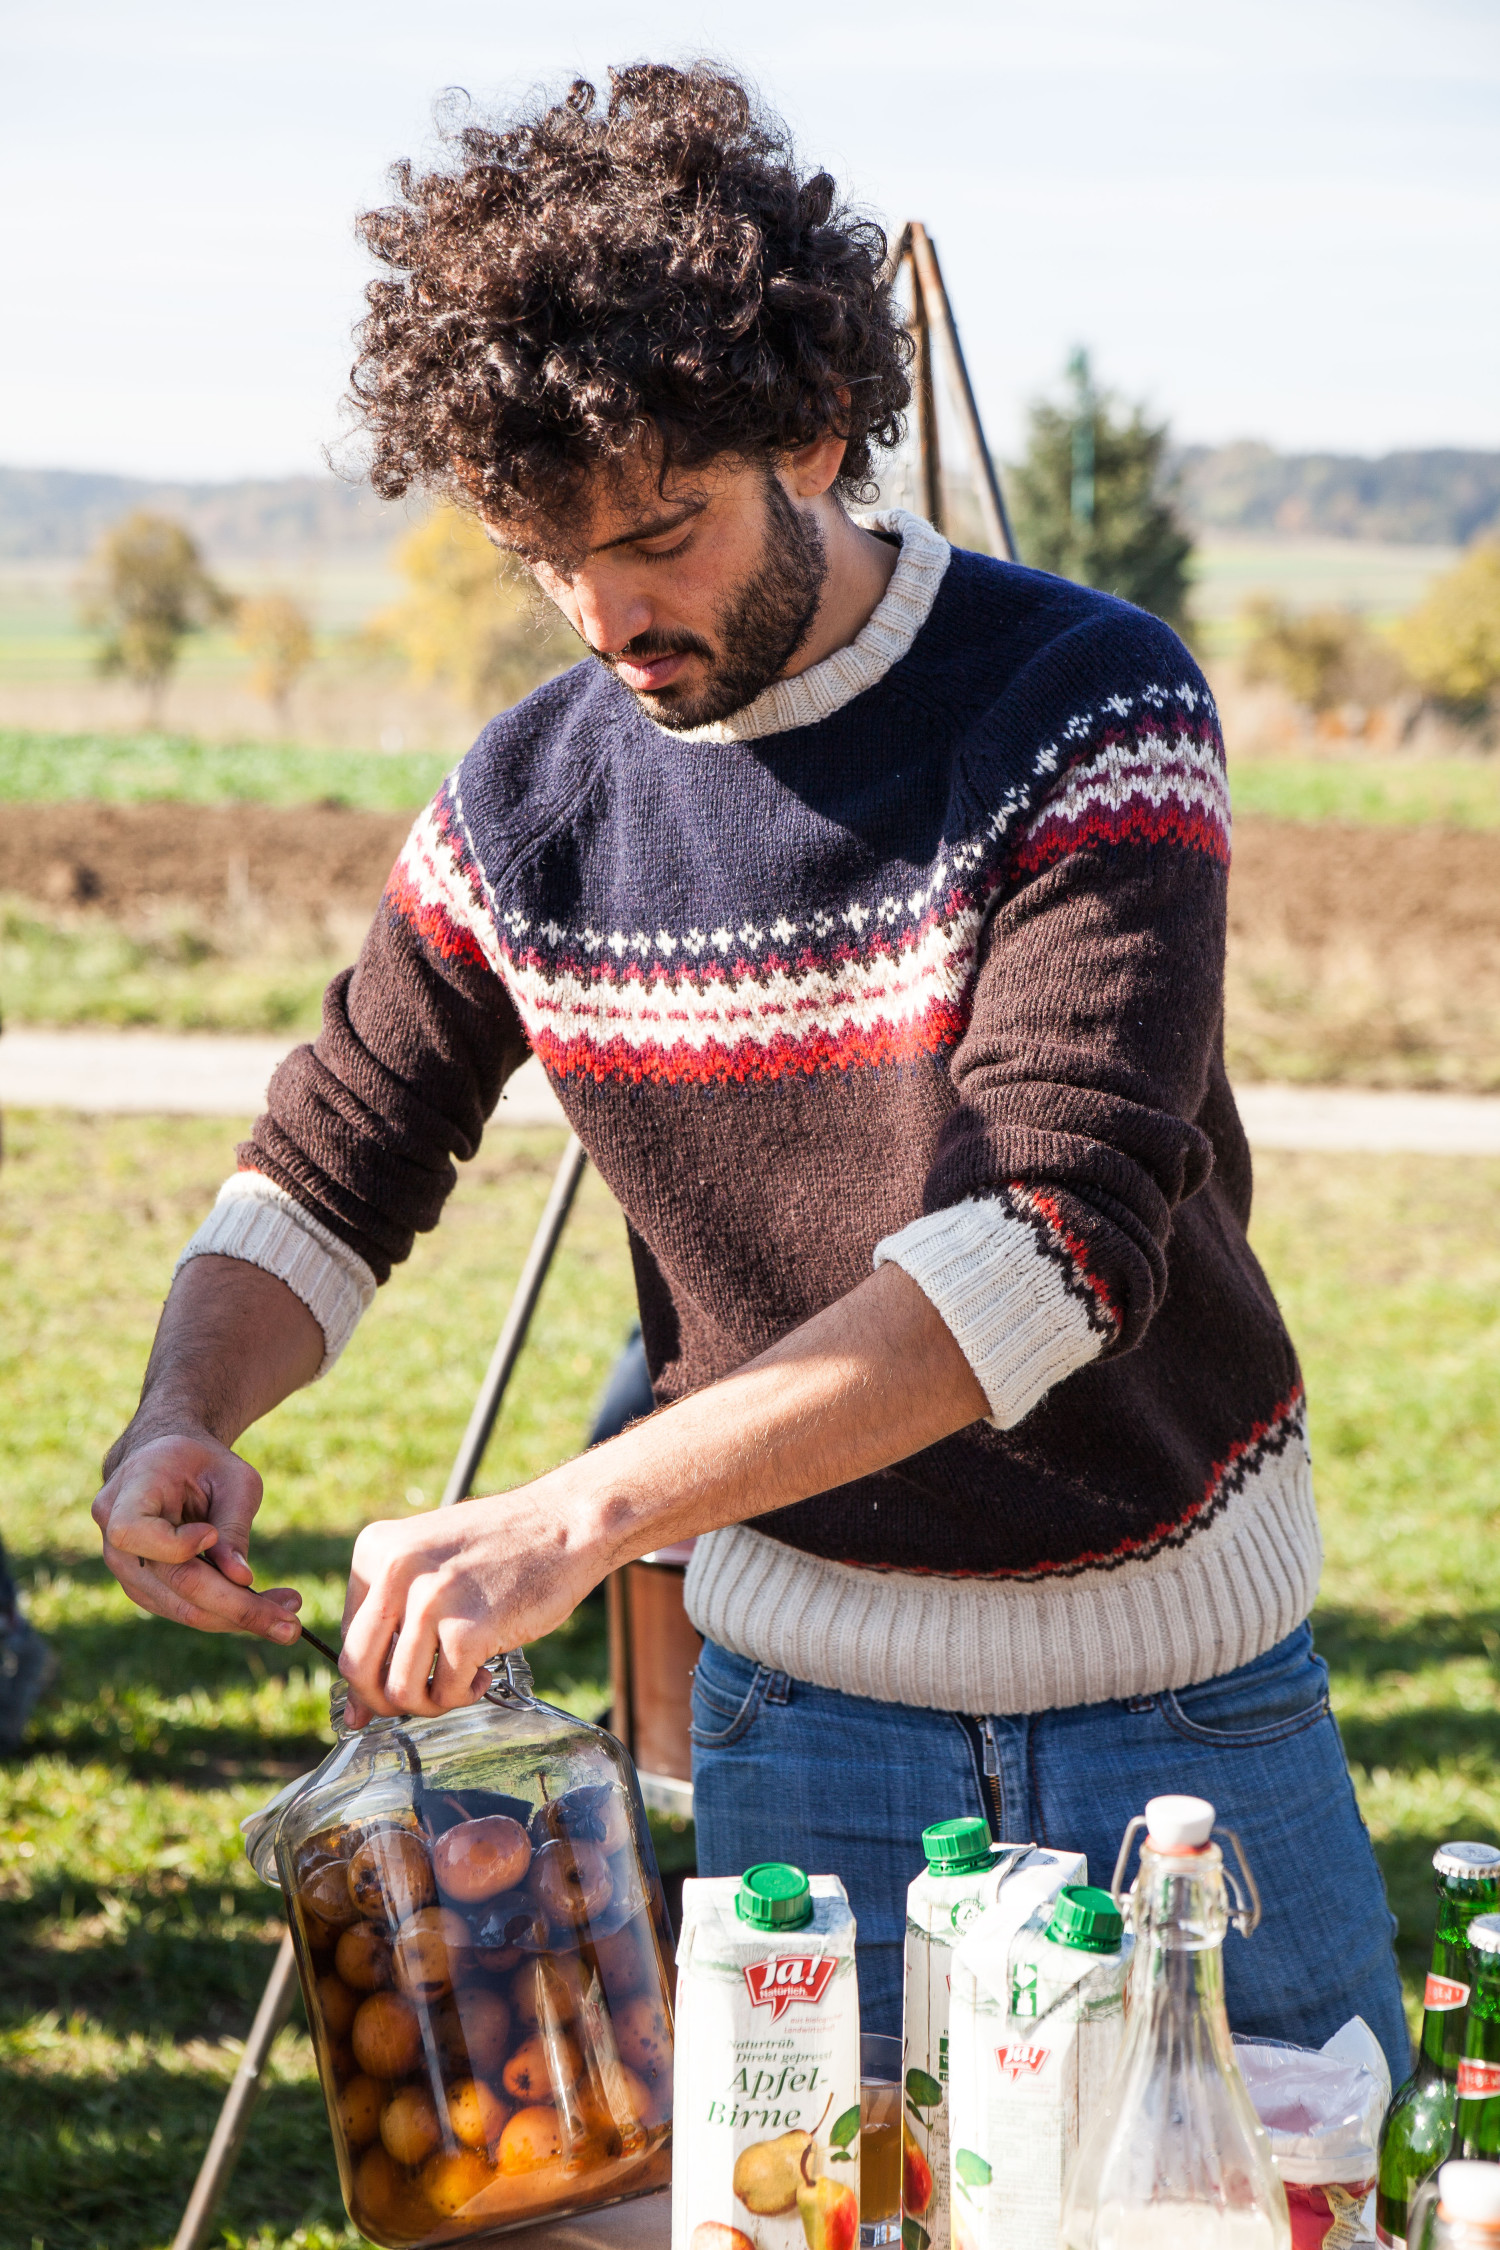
1458 2207
484 1955
1418 2128
1176 2158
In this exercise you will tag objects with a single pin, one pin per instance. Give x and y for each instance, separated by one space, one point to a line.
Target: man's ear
810 471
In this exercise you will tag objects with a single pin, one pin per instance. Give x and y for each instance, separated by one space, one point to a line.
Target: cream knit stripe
1006 1304
254 1219
893 625
990 1646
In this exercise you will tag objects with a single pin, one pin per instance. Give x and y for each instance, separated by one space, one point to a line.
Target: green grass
175 974
1371 792
128 769
134 1935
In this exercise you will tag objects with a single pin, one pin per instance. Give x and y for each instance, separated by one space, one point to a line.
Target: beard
762 624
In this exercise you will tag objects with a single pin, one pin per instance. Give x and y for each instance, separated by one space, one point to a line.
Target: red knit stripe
433 923
1137 822
681 1063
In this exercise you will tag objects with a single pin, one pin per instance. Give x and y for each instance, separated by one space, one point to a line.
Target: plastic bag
1323 2108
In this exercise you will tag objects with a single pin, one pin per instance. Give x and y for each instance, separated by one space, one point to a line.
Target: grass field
134 1935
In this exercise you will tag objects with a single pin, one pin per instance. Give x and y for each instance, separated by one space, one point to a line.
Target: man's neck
860 567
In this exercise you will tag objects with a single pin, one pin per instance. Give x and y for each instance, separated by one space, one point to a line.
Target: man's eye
655 553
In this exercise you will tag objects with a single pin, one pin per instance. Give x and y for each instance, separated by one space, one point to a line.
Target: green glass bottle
1476 2124
1418 2129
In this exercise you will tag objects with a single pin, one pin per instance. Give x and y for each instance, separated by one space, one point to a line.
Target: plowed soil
1368 955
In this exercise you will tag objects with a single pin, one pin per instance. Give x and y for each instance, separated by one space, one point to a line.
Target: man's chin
681 709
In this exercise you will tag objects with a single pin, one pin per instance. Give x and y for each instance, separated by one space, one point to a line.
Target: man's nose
610 616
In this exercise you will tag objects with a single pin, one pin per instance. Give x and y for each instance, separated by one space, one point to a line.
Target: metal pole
223 2150
928 456
513 1335
939 313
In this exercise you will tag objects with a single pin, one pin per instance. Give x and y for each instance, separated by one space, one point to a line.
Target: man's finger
156 1540
216 1606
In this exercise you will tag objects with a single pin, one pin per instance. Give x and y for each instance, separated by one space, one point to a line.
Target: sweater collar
893 625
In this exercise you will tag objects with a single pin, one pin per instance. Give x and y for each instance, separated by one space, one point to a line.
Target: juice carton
1037 2016
766 2073
966 1876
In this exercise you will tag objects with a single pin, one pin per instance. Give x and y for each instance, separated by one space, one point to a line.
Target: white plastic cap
1178 1824
1470 2191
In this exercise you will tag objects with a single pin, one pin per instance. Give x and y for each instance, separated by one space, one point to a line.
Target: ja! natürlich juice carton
766 2070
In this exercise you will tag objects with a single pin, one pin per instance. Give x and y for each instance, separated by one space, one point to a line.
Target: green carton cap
957 1847
774 1896
1087 1918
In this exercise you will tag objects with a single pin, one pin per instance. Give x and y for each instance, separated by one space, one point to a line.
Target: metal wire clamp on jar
485 1957
1176 2158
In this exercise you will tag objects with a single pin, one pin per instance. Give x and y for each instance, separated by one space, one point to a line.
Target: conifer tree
1091 503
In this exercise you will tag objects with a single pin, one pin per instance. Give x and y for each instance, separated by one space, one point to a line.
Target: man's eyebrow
653 530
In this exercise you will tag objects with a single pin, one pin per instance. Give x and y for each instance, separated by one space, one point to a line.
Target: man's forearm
870 1381
232 1343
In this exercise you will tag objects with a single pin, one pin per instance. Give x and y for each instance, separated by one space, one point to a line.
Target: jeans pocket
719 1717
1180 1719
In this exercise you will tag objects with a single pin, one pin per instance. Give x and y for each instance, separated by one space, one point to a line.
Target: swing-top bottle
1176 2158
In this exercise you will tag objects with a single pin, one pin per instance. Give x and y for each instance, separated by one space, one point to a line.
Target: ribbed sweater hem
1189 1613
256 1220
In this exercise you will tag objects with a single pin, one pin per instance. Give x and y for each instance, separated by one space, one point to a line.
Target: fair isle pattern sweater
918 958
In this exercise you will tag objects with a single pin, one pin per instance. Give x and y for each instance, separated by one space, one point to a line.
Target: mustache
647 645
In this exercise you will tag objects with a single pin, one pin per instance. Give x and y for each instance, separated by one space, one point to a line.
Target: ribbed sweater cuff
1007 1305
255 1220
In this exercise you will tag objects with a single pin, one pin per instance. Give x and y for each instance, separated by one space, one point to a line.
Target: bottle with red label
1418 2129
1476 2124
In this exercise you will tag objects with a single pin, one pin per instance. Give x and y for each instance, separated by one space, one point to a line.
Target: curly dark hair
592 274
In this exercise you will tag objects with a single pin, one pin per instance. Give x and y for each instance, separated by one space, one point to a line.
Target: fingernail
286 1629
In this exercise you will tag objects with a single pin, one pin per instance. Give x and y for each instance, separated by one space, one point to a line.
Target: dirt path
1364 955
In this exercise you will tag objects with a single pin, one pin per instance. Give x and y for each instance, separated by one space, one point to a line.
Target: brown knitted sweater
919 958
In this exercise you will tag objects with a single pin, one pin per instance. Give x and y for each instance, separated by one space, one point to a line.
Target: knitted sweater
917 958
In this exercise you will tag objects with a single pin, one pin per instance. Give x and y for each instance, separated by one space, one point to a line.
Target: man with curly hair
864 901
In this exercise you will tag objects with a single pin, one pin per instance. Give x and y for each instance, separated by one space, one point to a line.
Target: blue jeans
843 1785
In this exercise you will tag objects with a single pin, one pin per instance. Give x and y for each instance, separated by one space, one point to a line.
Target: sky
1276 219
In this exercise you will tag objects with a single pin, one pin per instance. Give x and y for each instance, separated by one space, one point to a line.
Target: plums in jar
387 2036
627 1958
427 1952
323 1894
533 2136
594 1813
390 1876
481 1858
358 2111
644 2038
452 2178
551 1980
476 2113
627 2111
337 2006
341 2061
570 1883
363 1957
386 2199
409 2125
473 2027
528 2075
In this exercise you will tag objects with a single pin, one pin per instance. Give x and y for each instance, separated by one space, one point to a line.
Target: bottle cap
1470 2190
1472 1861
1178 1824
957 1847
1087 1918
774 1896
1484 1933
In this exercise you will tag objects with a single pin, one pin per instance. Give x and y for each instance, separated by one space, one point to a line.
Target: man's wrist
149 1423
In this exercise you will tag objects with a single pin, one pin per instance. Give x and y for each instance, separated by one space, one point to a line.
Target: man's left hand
431 1599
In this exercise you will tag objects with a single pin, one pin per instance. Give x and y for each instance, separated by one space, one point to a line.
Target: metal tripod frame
931 316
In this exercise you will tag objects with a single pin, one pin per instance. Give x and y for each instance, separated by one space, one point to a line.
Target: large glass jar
486 1960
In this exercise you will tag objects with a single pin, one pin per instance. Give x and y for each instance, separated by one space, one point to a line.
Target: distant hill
1429 498
58 514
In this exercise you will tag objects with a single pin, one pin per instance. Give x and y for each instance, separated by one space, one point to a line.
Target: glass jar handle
1246 1919
512 1679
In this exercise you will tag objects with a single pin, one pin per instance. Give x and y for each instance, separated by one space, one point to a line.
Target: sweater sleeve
354 1155
1095 1022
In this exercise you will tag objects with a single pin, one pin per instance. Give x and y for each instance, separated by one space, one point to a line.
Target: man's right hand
176 1517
